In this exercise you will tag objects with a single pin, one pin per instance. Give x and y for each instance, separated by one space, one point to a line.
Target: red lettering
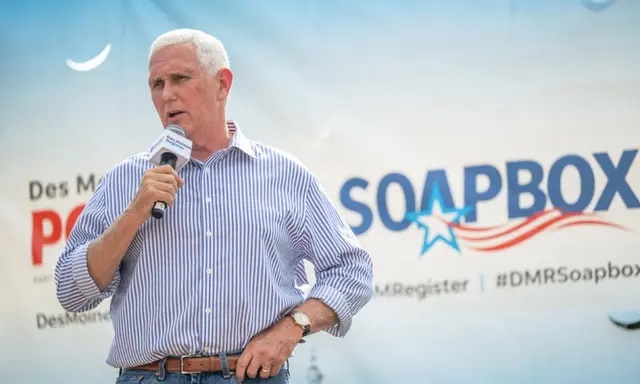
40 239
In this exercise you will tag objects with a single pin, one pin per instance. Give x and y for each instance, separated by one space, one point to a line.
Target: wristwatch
302 320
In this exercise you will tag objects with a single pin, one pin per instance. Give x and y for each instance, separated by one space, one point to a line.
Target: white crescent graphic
90 64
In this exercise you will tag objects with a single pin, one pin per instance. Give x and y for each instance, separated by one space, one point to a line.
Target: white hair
210 51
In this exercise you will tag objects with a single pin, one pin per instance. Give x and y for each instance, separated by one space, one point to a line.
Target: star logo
435 218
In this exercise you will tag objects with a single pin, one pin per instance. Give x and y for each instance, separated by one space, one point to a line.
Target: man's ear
225 78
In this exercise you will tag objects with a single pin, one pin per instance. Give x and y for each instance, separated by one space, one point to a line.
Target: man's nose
167 93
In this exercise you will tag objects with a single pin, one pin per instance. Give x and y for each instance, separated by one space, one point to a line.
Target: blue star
454 215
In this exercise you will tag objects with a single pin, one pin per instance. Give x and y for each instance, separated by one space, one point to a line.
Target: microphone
173 148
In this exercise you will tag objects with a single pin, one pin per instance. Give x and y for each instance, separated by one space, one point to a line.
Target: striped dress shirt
226 260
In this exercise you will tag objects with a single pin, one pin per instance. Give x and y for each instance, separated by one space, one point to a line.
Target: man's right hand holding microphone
158 184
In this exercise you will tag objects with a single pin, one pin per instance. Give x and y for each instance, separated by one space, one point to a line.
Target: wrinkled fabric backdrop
484 152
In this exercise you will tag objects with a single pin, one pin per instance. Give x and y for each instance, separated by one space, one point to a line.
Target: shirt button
208 199
207 311
209 271
209 233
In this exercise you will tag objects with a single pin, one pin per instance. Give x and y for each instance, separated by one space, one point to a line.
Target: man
211 287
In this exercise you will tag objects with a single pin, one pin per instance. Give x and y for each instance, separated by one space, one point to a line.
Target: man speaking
207 285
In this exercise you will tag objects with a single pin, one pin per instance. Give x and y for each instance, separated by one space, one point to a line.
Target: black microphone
159 206
174 149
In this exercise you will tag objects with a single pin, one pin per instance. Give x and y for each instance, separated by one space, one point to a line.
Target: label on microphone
171 142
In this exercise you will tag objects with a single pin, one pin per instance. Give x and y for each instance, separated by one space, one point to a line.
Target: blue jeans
148 377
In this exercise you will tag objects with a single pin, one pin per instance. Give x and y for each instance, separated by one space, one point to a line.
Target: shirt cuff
335 300
80 273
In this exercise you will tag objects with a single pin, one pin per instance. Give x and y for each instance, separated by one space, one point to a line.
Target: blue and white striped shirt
225 260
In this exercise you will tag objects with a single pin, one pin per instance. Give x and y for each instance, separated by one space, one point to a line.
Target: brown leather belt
200 364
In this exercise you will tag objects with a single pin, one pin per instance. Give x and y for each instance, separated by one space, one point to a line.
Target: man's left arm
343 269
344 284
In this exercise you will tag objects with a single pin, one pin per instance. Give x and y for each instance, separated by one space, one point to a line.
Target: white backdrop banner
486 153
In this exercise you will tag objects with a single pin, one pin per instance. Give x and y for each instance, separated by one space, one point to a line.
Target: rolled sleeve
83 282
343 269
335 300
75 288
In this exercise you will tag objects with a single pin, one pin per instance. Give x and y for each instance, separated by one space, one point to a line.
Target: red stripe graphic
500 237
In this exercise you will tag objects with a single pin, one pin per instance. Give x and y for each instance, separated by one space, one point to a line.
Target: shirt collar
239 140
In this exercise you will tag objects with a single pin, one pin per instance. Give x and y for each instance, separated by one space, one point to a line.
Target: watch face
301 318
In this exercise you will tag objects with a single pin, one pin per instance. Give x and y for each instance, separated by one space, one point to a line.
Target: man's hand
268 350
158 184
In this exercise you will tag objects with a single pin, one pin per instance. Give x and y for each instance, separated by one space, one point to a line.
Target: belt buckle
182 371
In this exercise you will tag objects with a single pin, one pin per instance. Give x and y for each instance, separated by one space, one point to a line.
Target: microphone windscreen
176 129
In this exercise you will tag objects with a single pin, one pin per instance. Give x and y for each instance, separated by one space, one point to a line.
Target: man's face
183 93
